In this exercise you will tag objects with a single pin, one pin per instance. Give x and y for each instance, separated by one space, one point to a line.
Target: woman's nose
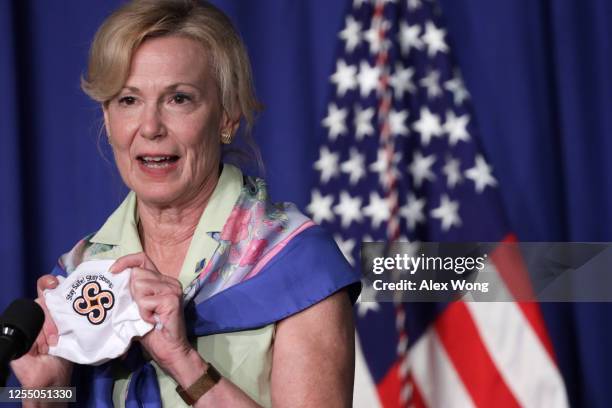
152 125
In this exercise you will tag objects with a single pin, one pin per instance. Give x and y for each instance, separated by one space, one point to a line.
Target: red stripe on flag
390 390
417 399
471 359
509 263
390 386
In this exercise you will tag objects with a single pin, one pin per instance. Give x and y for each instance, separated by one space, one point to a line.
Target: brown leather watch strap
200 387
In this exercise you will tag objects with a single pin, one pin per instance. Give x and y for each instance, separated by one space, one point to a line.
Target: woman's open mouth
157 162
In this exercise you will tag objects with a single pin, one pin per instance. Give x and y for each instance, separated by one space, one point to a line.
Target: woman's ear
230 121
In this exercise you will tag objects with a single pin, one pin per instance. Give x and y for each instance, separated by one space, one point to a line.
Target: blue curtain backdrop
538 72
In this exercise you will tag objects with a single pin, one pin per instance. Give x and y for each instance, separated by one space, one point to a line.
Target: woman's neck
168 227
166 232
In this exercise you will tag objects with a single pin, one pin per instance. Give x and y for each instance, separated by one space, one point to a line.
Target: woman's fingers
140 260
40 346
46 282
43 346
143 269
49 329
35 349
147 286
154 293
161 305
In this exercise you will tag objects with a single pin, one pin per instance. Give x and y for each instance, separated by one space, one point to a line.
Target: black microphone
19 326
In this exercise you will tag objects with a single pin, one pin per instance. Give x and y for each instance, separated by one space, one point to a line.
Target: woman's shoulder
314 256
298 271
118 230
301 248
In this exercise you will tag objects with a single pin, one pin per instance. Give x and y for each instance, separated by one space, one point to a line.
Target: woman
268 317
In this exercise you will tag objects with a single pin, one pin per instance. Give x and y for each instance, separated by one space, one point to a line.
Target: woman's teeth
158 161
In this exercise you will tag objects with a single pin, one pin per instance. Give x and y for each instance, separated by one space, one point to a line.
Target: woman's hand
37 368
160 302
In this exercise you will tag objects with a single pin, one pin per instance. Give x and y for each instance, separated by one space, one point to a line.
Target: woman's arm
314 356
313 360
313 353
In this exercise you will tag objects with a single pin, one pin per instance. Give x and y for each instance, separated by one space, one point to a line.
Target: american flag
402 161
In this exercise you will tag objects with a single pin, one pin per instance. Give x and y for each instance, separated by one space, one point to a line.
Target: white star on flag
431 83
320 207
401 81
447 213
327 164
358 3
481 174
414 4
397 122
428 126
456 127
363 122
457 88
377 209
368 78
363 307
351 34
413 211
420 168
452 171
346 247
348 209
409 37
354 166
345 77
386 171
335 121
434 39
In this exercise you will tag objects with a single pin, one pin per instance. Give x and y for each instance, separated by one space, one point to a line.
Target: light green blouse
245 357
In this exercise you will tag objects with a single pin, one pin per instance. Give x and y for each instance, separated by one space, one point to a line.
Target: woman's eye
127 100
180 98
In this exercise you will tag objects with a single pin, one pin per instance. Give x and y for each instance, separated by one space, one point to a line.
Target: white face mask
95 314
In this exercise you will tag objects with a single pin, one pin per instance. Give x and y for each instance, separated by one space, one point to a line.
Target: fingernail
51 282
52 339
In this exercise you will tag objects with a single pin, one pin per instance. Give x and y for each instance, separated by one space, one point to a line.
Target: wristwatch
208 380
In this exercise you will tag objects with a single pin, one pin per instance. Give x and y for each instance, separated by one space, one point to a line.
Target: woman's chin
156 196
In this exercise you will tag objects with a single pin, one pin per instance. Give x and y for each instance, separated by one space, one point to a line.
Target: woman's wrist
188 368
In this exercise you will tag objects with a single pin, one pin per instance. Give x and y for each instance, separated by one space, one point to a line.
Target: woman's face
165 124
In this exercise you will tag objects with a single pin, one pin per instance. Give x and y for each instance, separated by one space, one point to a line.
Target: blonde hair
123 31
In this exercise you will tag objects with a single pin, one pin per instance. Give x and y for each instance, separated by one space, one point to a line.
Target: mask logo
94 303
